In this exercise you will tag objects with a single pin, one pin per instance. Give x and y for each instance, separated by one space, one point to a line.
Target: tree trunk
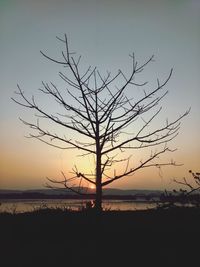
98 197
98 200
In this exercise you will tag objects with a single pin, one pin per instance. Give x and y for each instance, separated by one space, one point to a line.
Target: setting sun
92 186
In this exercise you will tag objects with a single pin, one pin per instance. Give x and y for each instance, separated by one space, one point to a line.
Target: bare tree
98 109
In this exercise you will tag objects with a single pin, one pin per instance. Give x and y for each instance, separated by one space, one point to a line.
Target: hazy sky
104 33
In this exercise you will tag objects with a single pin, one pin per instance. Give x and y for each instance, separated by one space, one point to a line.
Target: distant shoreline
108 194
3 200
5 197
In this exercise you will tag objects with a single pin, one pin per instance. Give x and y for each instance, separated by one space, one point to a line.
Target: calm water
17 206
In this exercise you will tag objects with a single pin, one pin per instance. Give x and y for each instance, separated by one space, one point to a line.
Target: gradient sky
104 33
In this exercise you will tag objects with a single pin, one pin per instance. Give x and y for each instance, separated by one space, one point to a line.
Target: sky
104 33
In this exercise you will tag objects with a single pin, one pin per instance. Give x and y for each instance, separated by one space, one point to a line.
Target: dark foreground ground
136 238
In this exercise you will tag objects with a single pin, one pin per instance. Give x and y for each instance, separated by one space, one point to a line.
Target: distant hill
114 191
63 193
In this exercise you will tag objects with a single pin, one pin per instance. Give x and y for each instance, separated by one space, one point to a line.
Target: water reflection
18 206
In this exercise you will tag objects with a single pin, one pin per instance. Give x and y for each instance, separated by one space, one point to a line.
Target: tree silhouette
187 194
108 121
192 185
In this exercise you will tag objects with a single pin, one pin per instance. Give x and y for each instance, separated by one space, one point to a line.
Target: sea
28 205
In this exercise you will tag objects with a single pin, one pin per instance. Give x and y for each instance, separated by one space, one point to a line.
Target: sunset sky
105 33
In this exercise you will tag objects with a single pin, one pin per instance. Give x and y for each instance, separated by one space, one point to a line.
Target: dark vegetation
53 237
166 236
187 195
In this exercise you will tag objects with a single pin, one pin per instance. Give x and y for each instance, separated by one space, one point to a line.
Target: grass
54 237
